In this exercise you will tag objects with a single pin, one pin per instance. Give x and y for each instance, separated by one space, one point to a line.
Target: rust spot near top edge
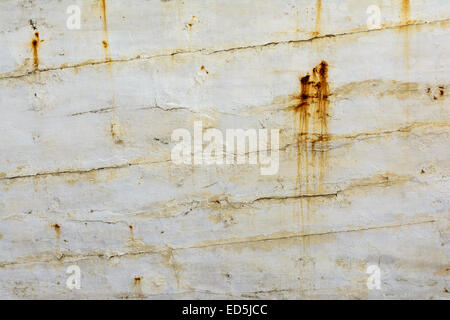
406 11
405 19
318 18
105 41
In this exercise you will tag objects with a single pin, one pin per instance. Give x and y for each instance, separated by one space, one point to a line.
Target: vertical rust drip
138 287
311 113
57 230
311 123
406 11
405 19
131 232
320 132
318 18
105 41
35 47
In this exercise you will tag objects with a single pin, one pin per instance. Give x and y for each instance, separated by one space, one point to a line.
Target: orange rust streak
35 46
311 120
302 121
105 41
318 17
322 96
138 287
57 230
406 11
311 124
405 19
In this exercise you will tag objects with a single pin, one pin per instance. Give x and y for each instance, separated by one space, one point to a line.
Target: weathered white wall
86 176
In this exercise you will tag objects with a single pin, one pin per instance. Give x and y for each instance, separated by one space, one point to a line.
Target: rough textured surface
86 176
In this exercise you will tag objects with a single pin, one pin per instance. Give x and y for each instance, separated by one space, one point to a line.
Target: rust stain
170 261
194 20
137 245
137 283
203 68
311 129
311 113
105 41
436 93
406 11
35 46
115 132
405 19
318 18
57 230
131 231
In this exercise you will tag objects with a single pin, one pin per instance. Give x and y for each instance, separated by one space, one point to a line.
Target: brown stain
405 11
190 25
444 272
115 131
311 112
94 176
105 41
435 93
318 18
311 129
35 47
405 19
131 232
137 284
170 261
137 245
57 229
203 68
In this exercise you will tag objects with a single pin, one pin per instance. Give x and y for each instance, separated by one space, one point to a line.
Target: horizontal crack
179 52
358 136
80 171
163 250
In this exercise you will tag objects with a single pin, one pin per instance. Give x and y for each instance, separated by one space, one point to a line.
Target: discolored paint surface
86 176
